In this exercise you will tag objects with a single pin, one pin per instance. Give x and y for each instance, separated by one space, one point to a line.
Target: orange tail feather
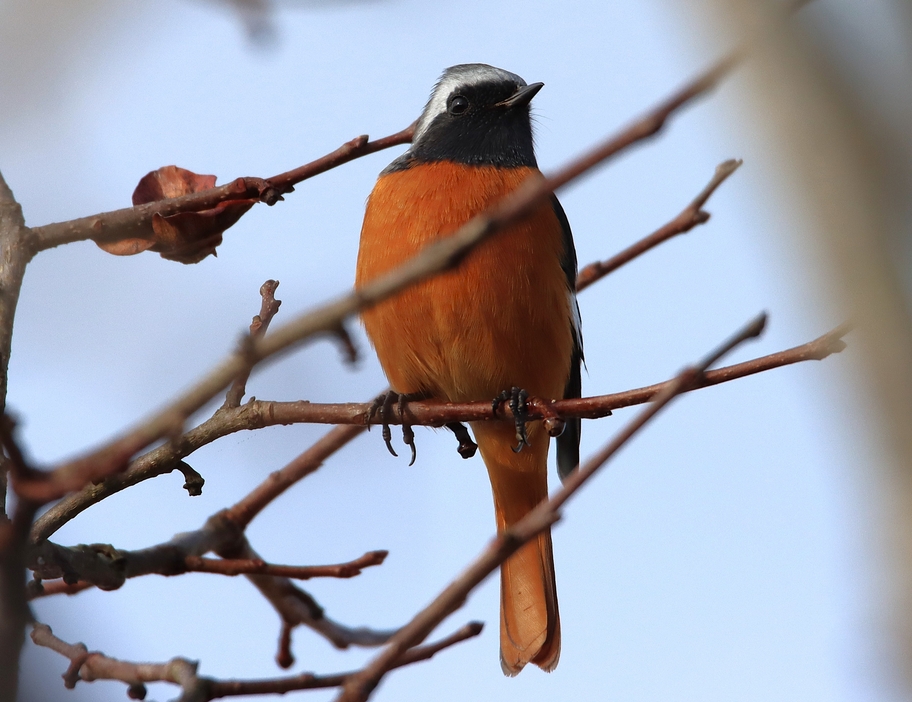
529 619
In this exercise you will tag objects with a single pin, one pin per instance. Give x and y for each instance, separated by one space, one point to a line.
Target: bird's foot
382 407
517 398
467 447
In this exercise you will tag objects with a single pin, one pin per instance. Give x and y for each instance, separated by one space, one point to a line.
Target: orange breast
501 319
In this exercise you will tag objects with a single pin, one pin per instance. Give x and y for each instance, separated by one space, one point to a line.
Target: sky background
727 553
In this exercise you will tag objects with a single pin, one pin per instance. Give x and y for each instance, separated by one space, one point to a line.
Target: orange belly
501 319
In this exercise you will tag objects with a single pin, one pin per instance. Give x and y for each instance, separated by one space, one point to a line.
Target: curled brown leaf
187 237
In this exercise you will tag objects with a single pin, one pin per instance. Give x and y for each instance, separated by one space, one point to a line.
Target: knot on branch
229 535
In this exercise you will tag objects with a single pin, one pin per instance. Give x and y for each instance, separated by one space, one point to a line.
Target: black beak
521 97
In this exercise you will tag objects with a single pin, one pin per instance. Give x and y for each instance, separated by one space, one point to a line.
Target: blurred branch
255 566
176 564
13 531
223 533
352 418
439 256
360 686
133 222
90 666
843 155
15 258
306 463
297 607
108 568
307 681
164 459
690 217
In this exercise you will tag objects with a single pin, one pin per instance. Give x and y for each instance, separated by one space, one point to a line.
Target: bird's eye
457 105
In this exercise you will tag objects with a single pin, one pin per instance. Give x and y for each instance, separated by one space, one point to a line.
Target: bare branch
268 309
437 414
295 606
307 681
13 234
91 666
108 568
135 221
39 588
13 607
249 566
310 460
260 413
689 217
359 687
198 564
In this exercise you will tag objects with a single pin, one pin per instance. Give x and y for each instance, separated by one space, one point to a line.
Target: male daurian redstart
505 318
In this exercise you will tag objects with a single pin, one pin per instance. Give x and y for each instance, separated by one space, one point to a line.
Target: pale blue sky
725 554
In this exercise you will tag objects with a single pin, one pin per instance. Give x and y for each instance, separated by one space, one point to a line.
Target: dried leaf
187 237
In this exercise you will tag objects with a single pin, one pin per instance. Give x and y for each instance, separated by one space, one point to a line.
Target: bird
504 323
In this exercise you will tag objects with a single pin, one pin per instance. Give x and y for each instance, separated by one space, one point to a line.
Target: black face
476 130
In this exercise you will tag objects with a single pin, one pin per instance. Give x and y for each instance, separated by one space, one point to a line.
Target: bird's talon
388 439
520 410
381 406
408 438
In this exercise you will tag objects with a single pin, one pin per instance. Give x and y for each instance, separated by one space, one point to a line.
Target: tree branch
306 463
91 666
689 217
307 681
13 532
255 566
359 687
352 417
108 568
135 221
269 306
13 233
225 566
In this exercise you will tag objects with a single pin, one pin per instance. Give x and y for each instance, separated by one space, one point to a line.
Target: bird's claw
382 406
517 398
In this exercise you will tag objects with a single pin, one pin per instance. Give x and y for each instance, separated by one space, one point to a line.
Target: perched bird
505 318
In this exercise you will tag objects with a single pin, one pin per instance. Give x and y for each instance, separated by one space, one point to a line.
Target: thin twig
297 607
359 687
248 566
135 221
307 681
269 306
109 568
41 588
90 666
687 219
261 413
276 483
230 567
